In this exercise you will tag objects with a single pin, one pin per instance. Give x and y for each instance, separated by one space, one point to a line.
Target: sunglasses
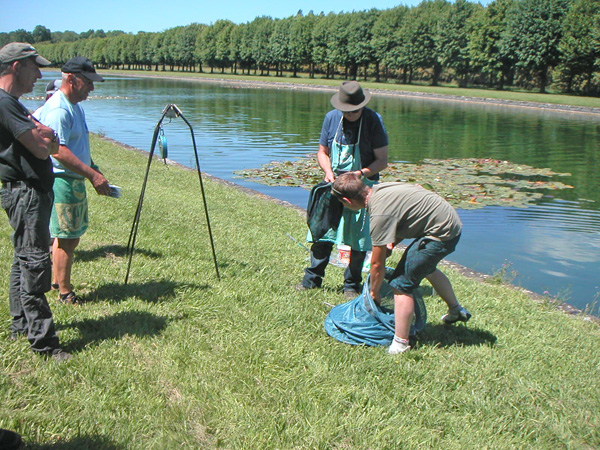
356 111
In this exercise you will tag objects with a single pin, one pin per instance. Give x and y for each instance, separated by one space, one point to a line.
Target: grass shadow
111 251
133 323
152 291
78 443
447 336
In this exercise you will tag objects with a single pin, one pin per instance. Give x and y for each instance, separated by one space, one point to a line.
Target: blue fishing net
362 322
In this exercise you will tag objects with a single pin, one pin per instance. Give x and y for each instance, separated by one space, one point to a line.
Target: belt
13 184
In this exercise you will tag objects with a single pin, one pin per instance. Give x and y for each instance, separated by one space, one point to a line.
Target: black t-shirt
372 133
16 162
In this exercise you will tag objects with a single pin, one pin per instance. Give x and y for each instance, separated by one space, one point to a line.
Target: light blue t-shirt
68 120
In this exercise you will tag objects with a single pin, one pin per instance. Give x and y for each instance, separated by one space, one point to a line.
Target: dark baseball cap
53 86
82 65
21 50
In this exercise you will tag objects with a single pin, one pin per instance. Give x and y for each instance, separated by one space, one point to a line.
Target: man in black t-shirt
27 179
353 139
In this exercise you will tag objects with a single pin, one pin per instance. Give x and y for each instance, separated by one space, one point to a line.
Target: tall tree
536 29
98 54
337 43
184 46
580 47
279 44
492 56
319 42
246 56
360 47
386 40
20 35
157 55
420 35
261 29
41 34
452 41
300 42
86 34
223 44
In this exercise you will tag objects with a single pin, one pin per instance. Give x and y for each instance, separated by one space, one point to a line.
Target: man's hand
41 141
376 298
325 163
48 134
100 183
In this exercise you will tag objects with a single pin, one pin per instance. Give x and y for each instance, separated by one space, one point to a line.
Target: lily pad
465 183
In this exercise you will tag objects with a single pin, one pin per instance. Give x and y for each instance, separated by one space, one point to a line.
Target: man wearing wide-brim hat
353 139
27 180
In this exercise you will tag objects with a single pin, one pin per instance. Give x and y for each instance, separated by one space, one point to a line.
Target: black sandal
70 298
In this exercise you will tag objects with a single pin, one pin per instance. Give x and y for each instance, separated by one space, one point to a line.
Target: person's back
407 211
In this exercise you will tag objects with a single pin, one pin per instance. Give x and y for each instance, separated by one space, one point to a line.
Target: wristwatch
55 137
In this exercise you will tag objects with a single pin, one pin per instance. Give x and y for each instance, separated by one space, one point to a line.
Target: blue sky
157 15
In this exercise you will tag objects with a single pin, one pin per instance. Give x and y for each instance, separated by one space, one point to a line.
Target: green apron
353 229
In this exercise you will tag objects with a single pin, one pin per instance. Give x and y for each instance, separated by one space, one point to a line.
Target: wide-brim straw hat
350 97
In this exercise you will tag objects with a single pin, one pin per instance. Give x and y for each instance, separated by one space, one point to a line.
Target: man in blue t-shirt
72 166
353 139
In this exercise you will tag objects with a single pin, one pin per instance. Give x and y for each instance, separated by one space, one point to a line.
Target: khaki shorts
70 213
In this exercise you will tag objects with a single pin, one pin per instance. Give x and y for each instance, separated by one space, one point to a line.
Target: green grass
178 359
453 90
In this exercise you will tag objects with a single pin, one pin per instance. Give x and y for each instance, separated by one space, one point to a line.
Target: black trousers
319 258
28 211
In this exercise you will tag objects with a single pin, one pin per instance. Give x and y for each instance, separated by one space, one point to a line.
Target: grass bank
390 87
178 359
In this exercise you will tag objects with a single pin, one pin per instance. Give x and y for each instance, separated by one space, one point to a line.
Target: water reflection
552 249
554 246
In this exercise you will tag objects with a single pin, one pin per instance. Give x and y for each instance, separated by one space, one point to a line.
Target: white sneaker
398 347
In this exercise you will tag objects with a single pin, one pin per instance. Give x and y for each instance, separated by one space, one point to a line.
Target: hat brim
347 107
92 76
40 61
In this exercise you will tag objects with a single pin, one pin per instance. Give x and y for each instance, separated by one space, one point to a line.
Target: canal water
552 247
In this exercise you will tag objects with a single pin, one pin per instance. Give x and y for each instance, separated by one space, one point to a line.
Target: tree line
529 44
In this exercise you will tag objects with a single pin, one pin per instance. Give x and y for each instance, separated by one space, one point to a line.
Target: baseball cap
53 86
82 65
15 51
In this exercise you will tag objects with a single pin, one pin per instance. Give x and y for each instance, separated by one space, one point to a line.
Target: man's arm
73 163
41 141
378 257
380 162
324 160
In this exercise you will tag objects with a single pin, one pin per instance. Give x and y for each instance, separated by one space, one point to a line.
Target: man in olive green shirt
400 211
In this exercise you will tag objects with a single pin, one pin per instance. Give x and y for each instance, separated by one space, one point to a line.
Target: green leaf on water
465 183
